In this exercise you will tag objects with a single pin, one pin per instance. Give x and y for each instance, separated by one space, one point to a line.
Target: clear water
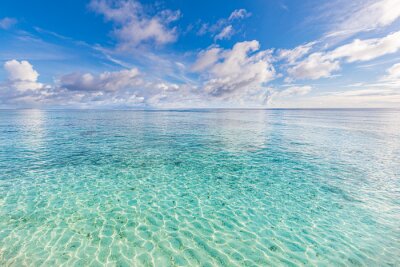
200 188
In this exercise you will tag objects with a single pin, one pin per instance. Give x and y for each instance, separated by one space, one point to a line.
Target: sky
139 54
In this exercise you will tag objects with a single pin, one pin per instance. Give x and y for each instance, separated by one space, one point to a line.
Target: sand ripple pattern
209 188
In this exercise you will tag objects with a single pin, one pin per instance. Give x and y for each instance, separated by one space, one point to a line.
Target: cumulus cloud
123 89
323 64
20 71
126 88
369 16
21 87
134 26
6 23
106 81
220 78
231 71
21 75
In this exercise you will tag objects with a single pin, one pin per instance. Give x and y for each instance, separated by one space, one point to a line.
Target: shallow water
191 188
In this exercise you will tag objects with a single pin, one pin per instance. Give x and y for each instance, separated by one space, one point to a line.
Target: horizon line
188 109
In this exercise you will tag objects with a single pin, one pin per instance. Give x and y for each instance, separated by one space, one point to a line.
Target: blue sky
199 54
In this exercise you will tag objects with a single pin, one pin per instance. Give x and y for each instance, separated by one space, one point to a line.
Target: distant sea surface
200 188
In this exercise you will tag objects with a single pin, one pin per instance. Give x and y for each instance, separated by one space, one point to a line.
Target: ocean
200 187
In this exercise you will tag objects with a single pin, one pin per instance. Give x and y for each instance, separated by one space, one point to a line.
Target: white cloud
323 64
347 18
226 33
119 89
363 50
7 23
22 71
133 26
167 86
369 16
21 75
224 28
232 71
239 14
125 88
388 83
206 59
294 91
393 73
347 99
106 81
363 92
315 66
288 94
292 55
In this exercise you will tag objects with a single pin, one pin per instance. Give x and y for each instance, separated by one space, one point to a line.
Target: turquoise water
200 188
